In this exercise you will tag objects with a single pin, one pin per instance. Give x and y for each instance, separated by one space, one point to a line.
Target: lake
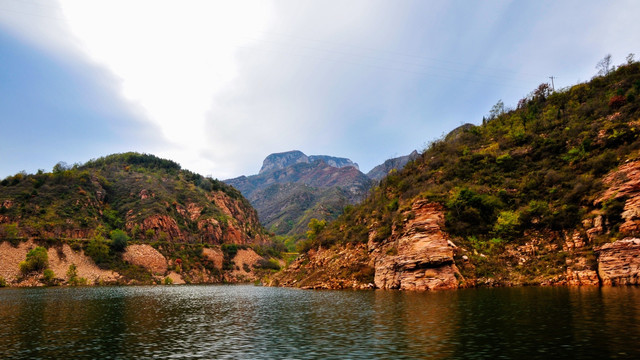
249 322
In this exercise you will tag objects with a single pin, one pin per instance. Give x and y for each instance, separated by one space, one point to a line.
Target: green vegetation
119 240
110 192
72 276
49 277
538 167
3 282
36 261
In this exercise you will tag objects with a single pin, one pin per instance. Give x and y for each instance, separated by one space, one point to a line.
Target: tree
496 110
37 260
630 58
60 167
604 66
119 239
315 227
98 250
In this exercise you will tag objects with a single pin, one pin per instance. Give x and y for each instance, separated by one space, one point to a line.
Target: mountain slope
529 197
293 188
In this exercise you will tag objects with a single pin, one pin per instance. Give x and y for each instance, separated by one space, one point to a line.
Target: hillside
139 198
541 194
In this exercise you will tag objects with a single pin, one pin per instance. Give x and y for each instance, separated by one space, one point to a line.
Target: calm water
247 322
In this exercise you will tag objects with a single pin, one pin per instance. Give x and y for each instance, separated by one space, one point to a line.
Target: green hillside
147 197
534 172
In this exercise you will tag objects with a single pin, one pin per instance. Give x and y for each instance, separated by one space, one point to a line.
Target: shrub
507 224
98 250
3 282
72 276
617 101
168 281
37 260
49 277
270 264
119 240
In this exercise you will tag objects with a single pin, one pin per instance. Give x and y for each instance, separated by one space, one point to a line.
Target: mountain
547 193
380 171
170 213
292 188
279 161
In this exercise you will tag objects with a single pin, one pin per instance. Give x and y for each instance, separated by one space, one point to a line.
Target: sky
218 85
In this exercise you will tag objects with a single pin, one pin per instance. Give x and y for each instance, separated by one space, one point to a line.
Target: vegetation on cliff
100 208
530 174
136 195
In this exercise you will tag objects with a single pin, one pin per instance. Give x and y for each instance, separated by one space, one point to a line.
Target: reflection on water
253 322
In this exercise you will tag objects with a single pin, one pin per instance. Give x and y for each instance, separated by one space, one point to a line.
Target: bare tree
604 66
631 58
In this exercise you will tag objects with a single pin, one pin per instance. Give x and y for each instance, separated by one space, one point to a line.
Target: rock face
380 171
624 183
619 262
420 258
279 161
337 162
147 257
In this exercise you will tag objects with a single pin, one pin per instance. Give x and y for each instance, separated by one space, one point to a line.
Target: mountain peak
282 160
279 161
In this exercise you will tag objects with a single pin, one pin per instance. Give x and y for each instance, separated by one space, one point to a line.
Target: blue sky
217 86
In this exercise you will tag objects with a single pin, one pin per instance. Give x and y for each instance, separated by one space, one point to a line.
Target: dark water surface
247 322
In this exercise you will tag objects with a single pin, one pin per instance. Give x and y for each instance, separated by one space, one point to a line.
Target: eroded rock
619 262
420 258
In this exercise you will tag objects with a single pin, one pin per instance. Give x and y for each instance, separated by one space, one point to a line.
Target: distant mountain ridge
279 161
292 188
380 171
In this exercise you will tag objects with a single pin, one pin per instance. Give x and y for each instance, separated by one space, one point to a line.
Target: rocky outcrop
619 262
624 183
420 257
279 161
582 278
147 257
337 162
160 224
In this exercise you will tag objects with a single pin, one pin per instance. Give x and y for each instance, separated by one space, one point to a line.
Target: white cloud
172 57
